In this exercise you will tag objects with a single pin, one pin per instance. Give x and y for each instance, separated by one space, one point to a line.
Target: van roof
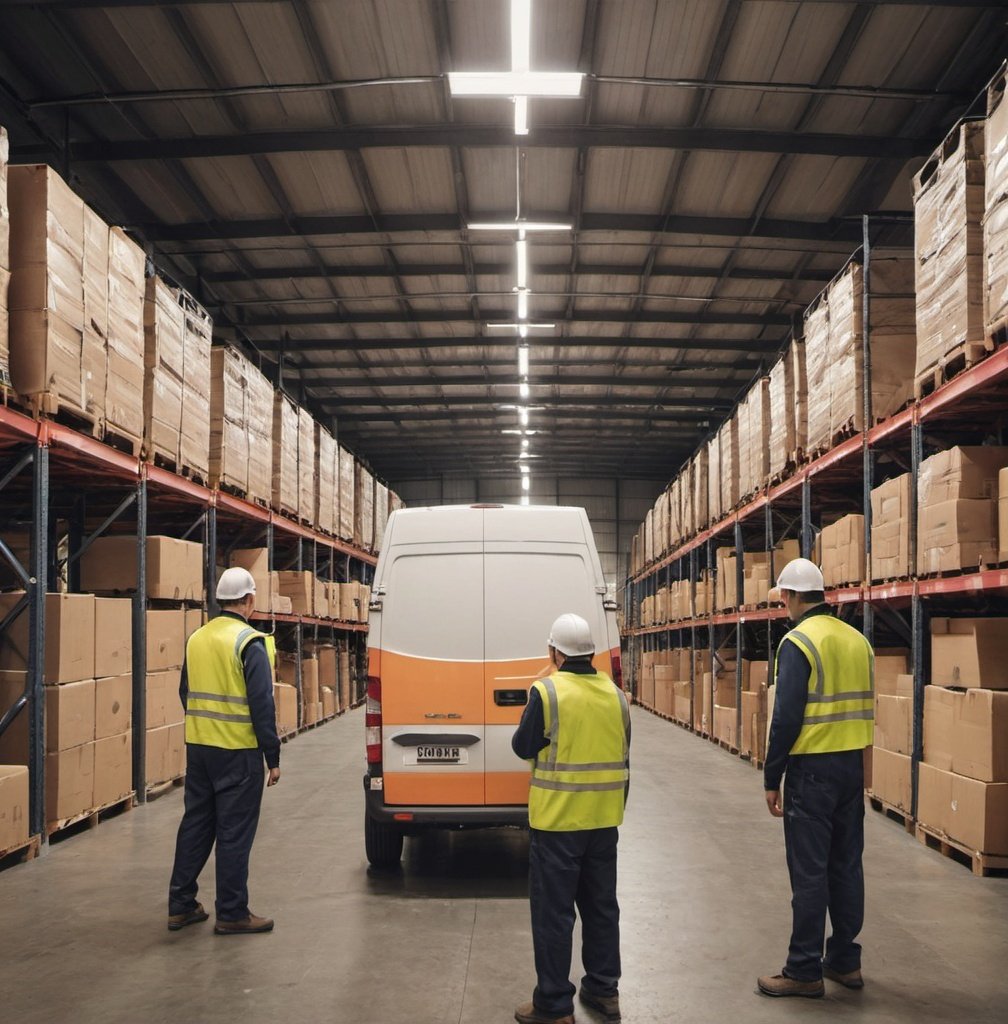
565 524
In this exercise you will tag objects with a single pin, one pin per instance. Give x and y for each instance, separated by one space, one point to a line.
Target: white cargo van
462 603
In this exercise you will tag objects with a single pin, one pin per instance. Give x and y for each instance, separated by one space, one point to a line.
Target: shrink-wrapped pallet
4 261
347 514
395 502
892 334
363 508
687 512
649 533
259 412
306 466
381 513
846 352
781 400
285 455
124 367
800 373
229 434
194 446
995 226
817 365
714 510
661 525
758 402
729 464
741 417
701 493
675 534
948 248
326 480
164 366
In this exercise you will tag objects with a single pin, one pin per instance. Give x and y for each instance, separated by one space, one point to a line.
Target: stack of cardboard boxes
963 782
722 718
752 740
364 497
842 552
347 495
891 767
230 436
995 220
259 412
326 480
759 570
13 807
754 439
958 509
727 597
817 366
286 423
890 531
307 468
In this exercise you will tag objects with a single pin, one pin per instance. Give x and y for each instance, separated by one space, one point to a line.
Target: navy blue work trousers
824 838
223 793
568 870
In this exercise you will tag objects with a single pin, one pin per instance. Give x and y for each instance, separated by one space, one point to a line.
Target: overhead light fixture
523 361
524 499
521 35
507 84
521 259
526 483
525 444
524 470
523 415
518 327
519 225
523 389
521 115
523 303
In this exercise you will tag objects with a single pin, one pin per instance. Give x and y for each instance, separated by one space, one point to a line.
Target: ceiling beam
658 379
833 230
729 140
476 402
564 364
84 4
588 412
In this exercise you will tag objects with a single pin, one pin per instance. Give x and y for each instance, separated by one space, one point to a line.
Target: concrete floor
703 889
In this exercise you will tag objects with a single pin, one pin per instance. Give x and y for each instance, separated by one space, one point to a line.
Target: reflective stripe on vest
217 711
579 779
840 710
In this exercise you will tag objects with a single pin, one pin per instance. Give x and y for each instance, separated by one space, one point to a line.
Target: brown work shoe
608 1006
195 916
529 1013
780 985
852 979
252 925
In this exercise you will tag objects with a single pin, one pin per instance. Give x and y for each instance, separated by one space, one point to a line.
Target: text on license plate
436 754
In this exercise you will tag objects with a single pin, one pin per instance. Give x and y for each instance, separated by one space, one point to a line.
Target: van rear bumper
448 816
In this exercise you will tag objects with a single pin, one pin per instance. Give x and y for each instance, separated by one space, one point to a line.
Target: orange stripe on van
507 787
520 675
415 687
434 788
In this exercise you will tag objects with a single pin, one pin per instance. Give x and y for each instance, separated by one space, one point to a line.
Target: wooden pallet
982 864
892 812
997 332
90 819
44 405
22 853
159 789
122 441
725 745
962 357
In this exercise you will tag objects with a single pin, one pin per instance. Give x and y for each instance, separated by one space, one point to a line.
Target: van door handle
511 698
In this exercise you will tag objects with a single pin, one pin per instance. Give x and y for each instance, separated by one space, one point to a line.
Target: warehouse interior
732 276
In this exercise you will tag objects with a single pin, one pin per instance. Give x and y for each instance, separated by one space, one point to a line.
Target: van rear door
432 707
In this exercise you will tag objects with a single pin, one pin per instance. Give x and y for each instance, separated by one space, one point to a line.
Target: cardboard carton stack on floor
4 284
957 509
347 677
665 676
286 491
259 412
948 211
752 739
724 717
326 480
328 670
788 412
174 568
963 783
890 759
229 431
307 498
890 531
13 806
842 547
995 222
168 629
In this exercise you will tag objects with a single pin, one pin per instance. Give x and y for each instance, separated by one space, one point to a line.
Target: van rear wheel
383 843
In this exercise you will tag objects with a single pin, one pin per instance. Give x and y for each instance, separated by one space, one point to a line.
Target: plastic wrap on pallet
687 512
782 408
817 365
395 502
326 481
846 351
948 214
701 491
194 453
347 514
259 410
285 454
649 532
893 334
729 464
4 260
230 436
125 352
759 433
95 266
714 509
741 417
675 534
995 226
800 373
164 327
306 466
381 513
661 525
363 507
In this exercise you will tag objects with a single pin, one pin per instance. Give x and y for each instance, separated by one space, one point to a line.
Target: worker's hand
773 802
274 777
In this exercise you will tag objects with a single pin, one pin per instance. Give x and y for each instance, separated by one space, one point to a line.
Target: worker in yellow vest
575 731
823 720
230 728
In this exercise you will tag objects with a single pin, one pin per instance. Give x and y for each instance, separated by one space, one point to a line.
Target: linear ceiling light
521 115
523 389
507 84
525 444
521 35
521 328
521 260
523 415
523 361
523 303
526 483
519 225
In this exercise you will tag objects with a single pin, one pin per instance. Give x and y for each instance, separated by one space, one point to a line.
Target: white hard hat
571 636
799 575
235 584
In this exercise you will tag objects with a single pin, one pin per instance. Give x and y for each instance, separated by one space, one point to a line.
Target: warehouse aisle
703 890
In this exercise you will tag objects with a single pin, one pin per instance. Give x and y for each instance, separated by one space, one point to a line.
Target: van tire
383 843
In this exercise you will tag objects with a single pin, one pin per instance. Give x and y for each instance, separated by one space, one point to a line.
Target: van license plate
437 755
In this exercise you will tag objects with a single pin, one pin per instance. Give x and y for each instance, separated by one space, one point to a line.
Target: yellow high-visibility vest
579 780
840 711
217 708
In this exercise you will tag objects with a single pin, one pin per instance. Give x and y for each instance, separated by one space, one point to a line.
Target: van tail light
617 668
373 721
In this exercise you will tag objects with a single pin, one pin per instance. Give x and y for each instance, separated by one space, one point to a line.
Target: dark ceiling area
309 171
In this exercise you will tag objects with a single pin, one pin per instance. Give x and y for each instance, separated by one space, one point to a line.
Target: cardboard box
904 686
664 681
682 698
891 778
285 701
969 812
890 664
754 713
966 732
229 429
320 598
256 560
69 783
13 806
961 473
165 639
174 567
195 618
69 637
69 715
970 653
285 454
166 758
327 666
328 702
843 551
726 726
347 691
113 706
299 587
894 724
309 712
890 503
958 534
113 636
163 705
113 769
754 675
309 680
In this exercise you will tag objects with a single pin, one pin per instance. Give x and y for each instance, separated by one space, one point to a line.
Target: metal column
807 540
868 412
210 560
140 649
36 641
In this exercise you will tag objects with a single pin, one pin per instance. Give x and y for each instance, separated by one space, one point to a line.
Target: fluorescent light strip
523 303
510 84
521 115
523 361
526 483
521 35
523 416
519 327
519 225
521 260
523 389
525 444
